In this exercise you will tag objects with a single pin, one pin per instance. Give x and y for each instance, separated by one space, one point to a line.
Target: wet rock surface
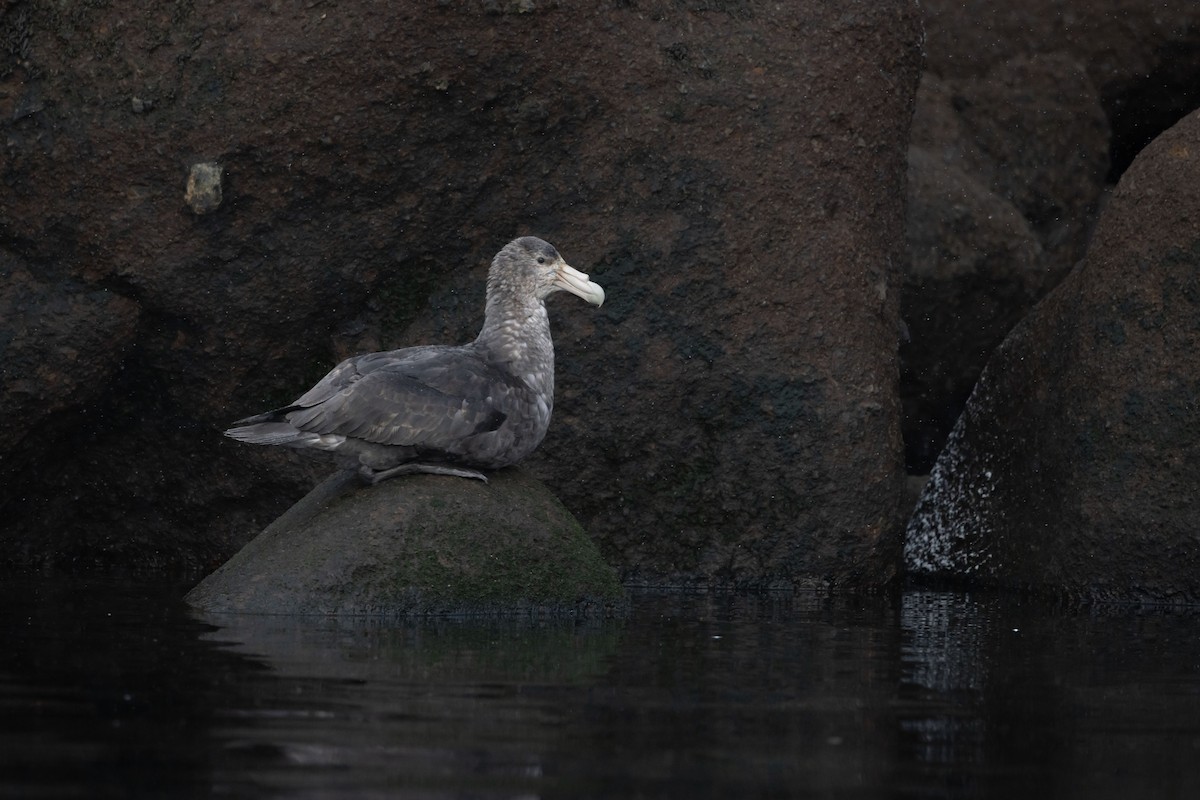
976 267
418 545
1074 465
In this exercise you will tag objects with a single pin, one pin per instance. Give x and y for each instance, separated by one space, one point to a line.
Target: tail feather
267 433
278 415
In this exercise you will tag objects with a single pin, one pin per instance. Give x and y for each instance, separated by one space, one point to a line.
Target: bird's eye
541 260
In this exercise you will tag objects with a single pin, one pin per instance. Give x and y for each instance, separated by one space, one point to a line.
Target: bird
441 409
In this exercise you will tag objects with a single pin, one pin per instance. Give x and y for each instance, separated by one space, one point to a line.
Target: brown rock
1040 140
1005 174
1042 104
976 268
60 346
732 172
203 193
1144 58
1075 464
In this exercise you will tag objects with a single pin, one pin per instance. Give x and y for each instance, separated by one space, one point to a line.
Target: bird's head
531 266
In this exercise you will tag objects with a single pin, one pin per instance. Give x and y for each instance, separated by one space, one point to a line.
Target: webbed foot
373 476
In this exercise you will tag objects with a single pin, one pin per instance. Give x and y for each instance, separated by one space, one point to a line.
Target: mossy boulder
418 545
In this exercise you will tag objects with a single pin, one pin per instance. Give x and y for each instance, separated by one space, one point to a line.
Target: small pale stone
204 187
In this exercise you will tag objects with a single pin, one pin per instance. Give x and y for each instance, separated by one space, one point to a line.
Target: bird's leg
373 477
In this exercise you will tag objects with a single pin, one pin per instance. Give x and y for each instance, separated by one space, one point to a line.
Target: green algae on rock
421 545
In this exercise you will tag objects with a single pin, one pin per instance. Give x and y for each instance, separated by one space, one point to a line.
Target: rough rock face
61 345
975 268
1041 104
1076 463
1144 58
732 172
1005 173
1033 132
425 545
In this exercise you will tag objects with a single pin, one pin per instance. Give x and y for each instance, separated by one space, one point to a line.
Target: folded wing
432 398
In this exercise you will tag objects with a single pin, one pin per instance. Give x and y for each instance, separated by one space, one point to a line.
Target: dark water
114 690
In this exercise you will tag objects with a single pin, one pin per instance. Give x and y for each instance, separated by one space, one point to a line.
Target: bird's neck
518 334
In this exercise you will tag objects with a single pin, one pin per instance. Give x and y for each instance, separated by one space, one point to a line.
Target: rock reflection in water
358 701
111 689
946 668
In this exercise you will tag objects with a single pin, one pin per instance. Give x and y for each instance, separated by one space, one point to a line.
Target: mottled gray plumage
440 409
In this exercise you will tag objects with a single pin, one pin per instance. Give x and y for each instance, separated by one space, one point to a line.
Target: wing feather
426 397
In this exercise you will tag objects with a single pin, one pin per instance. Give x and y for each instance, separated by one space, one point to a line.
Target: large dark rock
1005 173
1032 131
736 412
1075 465
418 545
1042 104
976 267
731 172
1144 58
59 347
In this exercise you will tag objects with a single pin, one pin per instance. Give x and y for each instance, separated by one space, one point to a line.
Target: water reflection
710 696
944 671
358 702
113 689
943 641
104 691
1002 696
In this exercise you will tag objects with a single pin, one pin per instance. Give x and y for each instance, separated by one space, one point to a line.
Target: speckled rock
1075 465
418 545
1043 105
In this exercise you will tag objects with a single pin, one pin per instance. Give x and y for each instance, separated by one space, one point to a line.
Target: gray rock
203 193
418 545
